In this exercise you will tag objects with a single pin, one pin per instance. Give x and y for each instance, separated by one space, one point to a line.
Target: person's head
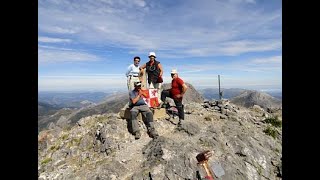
152 56
137 85
174 73
136 60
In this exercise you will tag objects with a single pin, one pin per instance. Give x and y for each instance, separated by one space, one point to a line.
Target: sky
88 45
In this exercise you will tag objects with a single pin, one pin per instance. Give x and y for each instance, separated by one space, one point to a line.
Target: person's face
151 58
136 61
174 75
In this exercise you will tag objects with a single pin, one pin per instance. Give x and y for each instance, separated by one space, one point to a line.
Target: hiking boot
153 133
179 123
137 135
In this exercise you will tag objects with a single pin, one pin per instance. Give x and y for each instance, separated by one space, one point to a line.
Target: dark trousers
178 102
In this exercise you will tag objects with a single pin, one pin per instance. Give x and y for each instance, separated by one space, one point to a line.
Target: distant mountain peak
249 98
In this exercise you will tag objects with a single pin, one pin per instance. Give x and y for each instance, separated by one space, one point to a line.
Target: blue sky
88 45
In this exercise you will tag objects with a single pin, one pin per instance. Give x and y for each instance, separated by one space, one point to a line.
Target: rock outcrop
192 95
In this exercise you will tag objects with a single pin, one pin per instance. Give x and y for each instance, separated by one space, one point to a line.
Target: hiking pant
178 102
130 81
146 112
156 86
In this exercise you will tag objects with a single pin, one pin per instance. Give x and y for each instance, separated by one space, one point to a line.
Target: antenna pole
219 87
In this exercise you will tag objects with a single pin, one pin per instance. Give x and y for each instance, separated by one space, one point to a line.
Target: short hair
136 57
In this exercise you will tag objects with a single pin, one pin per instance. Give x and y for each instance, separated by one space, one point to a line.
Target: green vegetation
64 137
273 121
271 132
101 119
54 147
259 170
46 160
76 141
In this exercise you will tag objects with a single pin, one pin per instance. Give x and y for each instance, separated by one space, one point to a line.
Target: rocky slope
192 95
242 140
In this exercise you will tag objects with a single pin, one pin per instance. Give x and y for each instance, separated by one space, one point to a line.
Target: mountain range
59 106
213 93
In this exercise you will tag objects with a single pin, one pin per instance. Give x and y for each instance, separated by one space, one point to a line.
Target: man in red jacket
178 89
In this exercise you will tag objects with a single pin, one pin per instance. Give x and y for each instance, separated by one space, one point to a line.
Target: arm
184 89
128 70
161 70
142 71
136 99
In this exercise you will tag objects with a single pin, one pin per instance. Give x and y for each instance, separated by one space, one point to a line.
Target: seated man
139 105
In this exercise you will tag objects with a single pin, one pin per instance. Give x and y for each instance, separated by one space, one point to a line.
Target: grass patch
54 148
64 137
271 132
76 141
45 161
101 119
274 121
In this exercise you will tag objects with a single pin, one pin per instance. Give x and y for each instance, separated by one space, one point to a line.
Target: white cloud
60 30
238 47
176 32
52 55
53 47
268 60
271 64
53 40
140 3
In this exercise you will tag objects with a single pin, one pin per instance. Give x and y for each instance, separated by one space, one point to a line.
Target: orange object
151 97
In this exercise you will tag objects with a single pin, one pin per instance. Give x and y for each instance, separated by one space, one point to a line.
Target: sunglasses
172 74
137 60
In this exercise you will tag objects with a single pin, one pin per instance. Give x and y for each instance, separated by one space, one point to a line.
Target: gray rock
217 169
242 151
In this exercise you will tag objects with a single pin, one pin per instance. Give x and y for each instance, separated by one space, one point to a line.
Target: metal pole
219 87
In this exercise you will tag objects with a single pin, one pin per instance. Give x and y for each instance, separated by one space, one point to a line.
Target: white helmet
152 54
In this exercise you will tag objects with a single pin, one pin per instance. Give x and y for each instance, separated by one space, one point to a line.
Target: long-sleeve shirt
132 70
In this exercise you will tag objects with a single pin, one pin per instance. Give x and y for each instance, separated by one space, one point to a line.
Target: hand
141 93
179 96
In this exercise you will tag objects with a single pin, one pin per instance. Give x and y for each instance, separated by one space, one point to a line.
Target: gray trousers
146 112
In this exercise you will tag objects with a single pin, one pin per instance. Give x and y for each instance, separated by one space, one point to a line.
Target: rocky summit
246 143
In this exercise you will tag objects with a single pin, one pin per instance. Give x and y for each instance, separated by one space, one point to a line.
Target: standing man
139 105
178 89
133 73
154 71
